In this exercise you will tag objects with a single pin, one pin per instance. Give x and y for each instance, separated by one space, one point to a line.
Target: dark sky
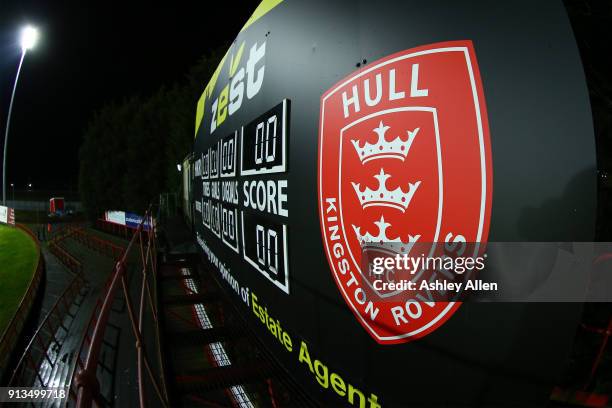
92 52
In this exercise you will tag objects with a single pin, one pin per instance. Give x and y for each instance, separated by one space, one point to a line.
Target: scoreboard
328 124
249 162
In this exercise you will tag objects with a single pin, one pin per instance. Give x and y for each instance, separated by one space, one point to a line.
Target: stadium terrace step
177 275
180 300
212 356
175 261
174 271
203 336
47 360
210 379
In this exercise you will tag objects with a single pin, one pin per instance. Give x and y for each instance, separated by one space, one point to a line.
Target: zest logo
243 80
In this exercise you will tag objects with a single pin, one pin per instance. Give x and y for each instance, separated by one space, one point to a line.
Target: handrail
62 254
66 258
606 332
103 246
11 334
112 228
46 329
88 387
43 338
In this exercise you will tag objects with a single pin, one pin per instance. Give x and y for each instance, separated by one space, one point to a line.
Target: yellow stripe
206 94
236 60
264 7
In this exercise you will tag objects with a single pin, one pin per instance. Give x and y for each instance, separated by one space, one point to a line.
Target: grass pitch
18 260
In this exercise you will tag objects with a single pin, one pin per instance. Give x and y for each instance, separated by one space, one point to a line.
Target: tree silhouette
130 149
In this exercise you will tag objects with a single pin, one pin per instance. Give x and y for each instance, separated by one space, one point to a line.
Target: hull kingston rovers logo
404 158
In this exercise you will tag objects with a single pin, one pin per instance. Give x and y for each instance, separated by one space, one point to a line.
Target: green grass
18 260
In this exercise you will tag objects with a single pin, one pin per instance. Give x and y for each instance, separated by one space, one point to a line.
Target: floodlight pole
8 124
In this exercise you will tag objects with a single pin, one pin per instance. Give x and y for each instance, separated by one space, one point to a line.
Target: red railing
68 260
114 229
38 349
61 232
12 333
100 245
606 333
86 381
585 396
60 253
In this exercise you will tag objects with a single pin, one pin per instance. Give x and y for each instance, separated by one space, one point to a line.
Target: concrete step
203 336
173 300
208 379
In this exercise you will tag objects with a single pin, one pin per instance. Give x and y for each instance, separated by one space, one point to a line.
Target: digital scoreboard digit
245 194
263 215
228 155
229 227
213 153
265 248
264 142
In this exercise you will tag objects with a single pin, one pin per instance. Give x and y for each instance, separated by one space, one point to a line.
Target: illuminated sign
7 215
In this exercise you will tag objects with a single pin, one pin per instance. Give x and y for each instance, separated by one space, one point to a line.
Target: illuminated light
217 350
29 37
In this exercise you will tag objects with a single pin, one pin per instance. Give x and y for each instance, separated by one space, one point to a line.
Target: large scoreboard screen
246 163
332 128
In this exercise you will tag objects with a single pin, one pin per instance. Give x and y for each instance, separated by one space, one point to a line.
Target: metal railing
100 245
56 248
12 333
64 256
606 333
85 387
39 350
114 229
42 205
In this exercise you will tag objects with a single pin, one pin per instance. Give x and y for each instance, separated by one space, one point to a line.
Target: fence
28 370
60 253
68 260
28 205
12 333
606 333
97 244
85 387
114 229
38 349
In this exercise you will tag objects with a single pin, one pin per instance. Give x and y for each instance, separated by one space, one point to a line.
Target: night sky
91 53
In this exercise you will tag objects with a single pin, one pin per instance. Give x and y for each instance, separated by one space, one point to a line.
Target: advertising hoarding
116 217
126 219
7 215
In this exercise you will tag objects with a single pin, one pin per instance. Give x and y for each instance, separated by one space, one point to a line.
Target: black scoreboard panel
268 252
257 196
255 225
228 155
264 142
229 227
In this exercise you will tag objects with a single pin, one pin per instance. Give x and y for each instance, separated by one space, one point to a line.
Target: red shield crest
404 157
